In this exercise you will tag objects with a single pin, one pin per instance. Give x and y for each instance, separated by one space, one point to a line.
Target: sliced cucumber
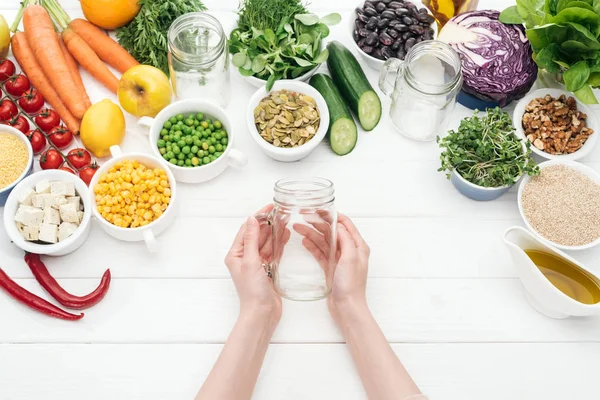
342 131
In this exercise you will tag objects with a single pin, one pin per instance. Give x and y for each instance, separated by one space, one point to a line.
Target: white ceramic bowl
371 61
591 122
4 192
257 82
202 173
296 153
68 245
584 169
146 233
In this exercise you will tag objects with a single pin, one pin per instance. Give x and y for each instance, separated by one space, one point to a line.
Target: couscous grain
14 158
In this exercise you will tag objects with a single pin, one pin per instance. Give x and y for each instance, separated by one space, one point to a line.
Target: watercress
278 39
485 151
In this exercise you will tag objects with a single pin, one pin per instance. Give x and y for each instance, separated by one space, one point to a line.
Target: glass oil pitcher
423 89
303 235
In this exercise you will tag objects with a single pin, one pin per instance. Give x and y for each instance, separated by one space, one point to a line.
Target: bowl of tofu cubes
48 213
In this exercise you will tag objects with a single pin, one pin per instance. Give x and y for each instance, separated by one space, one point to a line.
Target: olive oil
567 277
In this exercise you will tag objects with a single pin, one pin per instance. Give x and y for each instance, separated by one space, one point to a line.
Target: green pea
219 147
176 149
204 146
195 161
181 156
201 153
194 149
189 140
205 134
204 124
179 117
213 140
186 130
164 132
199 116
197 142
218 154
211 127
169 146
173 161
160 143
206 160
185 150
167 125
218 135
211 149
189 122
218 124
181 143
208 121
224 141
188 162
173 120
165 157
167 138
170 154
196 122
162 150
213 158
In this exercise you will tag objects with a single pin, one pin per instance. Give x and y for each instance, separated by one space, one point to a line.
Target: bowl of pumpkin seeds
289 121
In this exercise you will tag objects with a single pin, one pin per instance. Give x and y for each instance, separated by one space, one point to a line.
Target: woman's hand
245 262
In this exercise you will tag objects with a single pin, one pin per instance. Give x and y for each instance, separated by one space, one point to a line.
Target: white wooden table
441 285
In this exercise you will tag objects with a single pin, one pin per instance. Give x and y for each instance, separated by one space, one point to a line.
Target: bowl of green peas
195 139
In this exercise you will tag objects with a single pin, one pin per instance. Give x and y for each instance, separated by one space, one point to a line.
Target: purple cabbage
496 58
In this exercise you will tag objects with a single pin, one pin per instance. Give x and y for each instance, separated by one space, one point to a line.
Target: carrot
86 57
26 59
74 72
103 45
40 34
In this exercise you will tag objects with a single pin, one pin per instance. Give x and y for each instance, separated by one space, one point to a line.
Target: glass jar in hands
198 58
303 238
424 89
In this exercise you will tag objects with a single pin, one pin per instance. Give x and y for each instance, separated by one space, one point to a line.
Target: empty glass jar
303 238
423 89
198 58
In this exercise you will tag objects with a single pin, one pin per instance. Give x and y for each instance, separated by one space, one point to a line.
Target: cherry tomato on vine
47 119
31 101
61 137
51 159
19 122
79 158
7 69
17 85
8 110
87 172
67 169
37 139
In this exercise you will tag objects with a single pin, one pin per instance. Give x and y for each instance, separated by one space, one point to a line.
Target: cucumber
342 129
354 86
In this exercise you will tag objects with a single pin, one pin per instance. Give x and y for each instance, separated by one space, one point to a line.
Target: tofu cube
51 216
42 187
75 200
58 200
65 230
41 200
26 196
31 233
68 213
28 215
62 188
20 228
48 233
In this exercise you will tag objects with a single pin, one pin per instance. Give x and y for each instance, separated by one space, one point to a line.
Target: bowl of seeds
288 122
16 160
562 204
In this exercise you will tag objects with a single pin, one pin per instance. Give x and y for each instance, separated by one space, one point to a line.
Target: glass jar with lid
198 58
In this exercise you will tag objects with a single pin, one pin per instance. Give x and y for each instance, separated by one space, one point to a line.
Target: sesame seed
13 159
563 205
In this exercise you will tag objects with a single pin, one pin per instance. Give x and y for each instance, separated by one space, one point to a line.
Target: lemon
4 38
102 126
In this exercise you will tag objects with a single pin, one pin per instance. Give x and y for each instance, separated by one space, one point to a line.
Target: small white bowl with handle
145 233
200 173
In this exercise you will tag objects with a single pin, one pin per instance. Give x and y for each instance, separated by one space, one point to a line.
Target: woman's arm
234 375
383 375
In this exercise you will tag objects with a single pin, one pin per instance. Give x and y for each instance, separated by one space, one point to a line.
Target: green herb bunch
145 38
485 151
277 39
564 36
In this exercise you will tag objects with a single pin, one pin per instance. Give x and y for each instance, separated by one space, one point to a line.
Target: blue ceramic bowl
475 192
472 102
4 192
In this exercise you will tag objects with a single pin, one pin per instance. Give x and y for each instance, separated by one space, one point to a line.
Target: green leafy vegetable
485 151
145 38
278 39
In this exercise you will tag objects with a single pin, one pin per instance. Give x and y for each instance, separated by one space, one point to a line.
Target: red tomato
79 158
51 159
17 85
19 122
67 169
37 139
7 69
31 101
8 110
47 119
86 173
61 137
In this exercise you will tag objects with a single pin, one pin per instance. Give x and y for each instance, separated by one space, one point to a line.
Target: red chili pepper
61 295
32 301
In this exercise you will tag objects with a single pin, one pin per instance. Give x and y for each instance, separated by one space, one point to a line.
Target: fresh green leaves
145 37
564 35
485 151
272 45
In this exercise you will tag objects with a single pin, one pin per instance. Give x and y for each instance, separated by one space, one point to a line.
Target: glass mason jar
198 58
303 238
424 89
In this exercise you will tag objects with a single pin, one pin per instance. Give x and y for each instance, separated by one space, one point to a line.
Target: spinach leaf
511 16
547 57
586 95
576 76
588 19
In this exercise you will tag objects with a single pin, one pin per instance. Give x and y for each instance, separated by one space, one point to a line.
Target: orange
110 14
